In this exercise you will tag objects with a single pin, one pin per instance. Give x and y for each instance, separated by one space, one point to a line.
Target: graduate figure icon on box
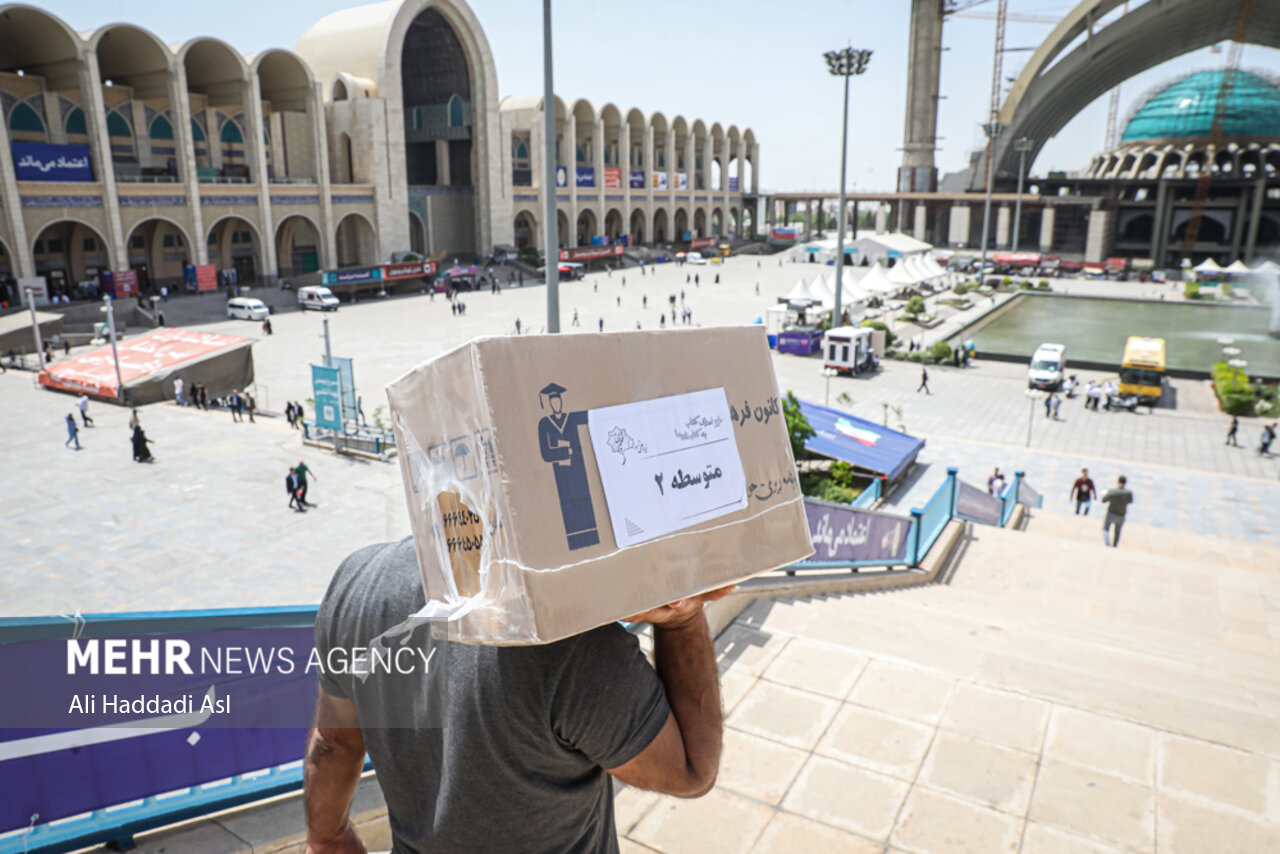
559 441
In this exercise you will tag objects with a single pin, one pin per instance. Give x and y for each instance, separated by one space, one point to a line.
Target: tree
914 306
531 256
798 427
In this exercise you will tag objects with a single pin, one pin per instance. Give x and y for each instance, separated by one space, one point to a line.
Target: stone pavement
1089 700
207 525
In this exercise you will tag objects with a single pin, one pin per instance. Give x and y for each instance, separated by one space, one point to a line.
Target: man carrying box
531 736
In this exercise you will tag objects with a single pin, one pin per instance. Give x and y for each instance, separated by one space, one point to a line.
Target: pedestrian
141 453
619 301
164 293
1057 405
624 278
517 326
249 405
595 287
133 421
1268 436
1232 431
295 493
569 711
298 414
696 281
302 471
673 317
602 324
757 286
453 307
73 432
1082 492
288 412
1048 405
682 296
266 325
575 318
1117 500
662 321
177 391
644 301
687 277
233 403
924 380
995 483
1089 393
159 317
66 346
84 410
717 278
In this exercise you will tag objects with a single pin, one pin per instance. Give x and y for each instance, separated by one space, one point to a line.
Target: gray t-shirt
518 765
1117 500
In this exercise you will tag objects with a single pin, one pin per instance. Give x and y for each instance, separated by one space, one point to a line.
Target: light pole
551 228
108 306
1021 145
993 136
844 63
1033 397
828 373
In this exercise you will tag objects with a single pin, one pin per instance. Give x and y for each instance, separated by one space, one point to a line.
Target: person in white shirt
177 391
84 410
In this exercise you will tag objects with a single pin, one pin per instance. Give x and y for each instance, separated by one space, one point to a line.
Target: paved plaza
207 524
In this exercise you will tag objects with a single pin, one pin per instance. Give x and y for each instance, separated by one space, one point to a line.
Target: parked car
1048 367
317 297
247 308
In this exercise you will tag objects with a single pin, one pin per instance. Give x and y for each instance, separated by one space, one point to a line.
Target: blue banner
840 532
39 161
326 389
351 277
586 176
637 179
733 185
348 382
562 176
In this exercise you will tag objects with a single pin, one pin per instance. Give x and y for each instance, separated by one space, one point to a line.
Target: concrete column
1003 215
921 222
52 117
213 137
1161 222
274 122
1046 229
570 155
141 134
324 186
882 217
11 208
958 230
256 153
1098 240
624 155
1251 237
1237 223
442 163
597 157
924 64
671 184
95 116
537 158
755 168
185 155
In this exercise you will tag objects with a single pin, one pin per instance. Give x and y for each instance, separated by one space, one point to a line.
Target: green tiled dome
1186 108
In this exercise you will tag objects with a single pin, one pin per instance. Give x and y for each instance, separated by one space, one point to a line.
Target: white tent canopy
823 290
1208 265
876 281
801 292
1237 266
1267 266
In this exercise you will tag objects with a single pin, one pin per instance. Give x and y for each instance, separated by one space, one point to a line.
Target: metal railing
369 443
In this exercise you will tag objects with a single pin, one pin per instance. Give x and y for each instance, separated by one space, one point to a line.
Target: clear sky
749 63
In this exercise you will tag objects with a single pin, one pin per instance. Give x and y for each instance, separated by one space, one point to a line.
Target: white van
694 258
317 297
1048 367
247 308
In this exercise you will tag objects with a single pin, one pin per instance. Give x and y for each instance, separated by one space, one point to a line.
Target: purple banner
840 532
39 161
637 179
977 504
733 185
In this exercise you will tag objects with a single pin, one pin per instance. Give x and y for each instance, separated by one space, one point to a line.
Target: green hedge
1235 393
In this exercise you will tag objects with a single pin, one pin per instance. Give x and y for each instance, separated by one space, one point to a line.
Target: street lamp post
844 63
1033 397
108 306
993 136
551 228
1021 145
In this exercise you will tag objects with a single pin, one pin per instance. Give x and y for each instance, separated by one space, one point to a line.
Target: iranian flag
858 434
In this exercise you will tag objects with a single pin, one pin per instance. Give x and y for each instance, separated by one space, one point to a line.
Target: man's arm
684 758
335 758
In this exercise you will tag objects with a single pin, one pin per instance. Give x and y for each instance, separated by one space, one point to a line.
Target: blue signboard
326 388
733 185
586 176
351 277
637 179
562 176
39 161
348 382
840 532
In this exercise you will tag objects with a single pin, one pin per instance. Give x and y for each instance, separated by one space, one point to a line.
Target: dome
1185 108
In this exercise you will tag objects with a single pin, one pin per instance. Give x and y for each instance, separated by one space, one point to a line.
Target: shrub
940 352
914 306
889 337
1024 286
1043 284
829 490
1235 394
842 473
1192 290
962 288
1240 401
531 256
798 427
1006 282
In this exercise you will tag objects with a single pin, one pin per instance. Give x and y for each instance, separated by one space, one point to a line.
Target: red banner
206 277
1117 263
613 179
702 242
589 253
95 372
125 282
409 271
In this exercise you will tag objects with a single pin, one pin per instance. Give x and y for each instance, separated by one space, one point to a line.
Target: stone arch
526 229
562 229
661 229
735 223
586 227
637 227
342 168
235 243
212 69
636 125
338 92
700 222
680 225
613 224
285 85
417 234
73 258
717 223
39 44
356 241
661 157
158 248
299 247
748 224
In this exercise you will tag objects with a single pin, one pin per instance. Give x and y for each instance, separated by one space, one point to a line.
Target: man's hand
676 614
347 843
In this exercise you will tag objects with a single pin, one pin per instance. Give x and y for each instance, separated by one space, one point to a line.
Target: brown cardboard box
510 517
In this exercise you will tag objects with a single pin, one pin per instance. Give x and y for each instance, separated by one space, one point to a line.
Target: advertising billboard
682 181
586 176
410 270
659 180
39 161
590 253
206 277
637 179
350 277
840 532
613 179
326 388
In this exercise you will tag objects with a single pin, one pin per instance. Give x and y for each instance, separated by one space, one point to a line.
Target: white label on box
667 463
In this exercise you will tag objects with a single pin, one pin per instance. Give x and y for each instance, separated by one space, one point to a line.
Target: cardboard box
559 482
